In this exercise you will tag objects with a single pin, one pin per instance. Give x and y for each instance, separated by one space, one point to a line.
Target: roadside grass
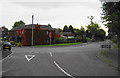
116 46
63 44
104 52
107 61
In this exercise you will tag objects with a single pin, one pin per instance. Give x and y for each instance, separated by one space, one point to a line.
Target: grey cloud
41 5
51 5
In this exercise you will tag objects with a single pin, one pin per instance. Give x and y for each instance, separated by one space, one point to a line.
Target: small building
41 34
68 34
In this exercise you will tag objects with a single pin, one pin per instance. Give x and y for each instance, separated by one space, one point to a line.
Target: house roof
44 27
68 33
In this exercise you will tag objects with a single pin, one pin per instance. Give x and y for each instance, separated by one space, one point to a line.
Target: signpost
106 46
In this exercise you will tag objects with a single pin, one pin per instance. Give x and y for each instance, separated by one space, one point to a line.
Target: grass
107 61
104 52
63 44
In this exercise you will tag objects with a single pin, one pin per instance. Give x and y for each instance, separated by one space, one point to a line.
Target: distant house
41 34
68 34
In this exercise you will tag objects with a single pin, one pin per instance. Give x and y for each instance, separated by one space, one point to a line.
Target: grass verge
59 44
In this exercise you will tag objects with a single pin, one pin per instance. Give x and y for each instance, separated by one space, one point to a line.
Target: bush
80 39
88 39
59 40
12 43
18 44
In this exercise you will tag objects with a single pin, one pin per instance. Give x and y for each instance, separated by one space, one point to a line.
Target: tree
91 19
93 28
49 25
18 23
71 29
100 34
111 17
65 29
76 31
82 31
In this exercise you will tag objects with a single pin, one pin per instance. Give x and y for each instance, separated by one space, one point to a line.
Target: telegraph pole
32 29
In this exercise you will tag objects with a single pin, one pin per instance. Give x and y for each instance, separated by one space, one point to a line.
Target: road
77 60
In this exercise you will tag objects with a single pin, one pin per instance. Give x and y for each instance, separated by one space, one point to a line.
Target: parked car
5 45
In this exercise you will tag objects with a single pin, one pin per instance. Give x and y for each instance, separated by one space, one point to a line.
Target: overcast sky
55 12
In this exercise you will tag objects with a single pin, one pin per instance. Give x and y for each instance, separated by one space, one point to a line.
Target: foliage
63 44
58 40
4 33
93 28
80 39
82 31
65 29
68 29
91 18
18 44
12 43
76 31
18 23
49 25
71 29
111 17
100 34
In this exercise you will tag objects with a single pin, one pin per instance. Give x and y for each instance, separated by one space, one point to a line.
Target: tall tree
71 29
93 28
76 31
82 31
65 29
18 23
100 34
49 25
111 17
91 19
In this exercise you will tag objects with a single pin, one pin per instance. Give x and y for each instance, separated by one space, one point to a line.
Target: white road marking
63 70
29 57
6 57
51 54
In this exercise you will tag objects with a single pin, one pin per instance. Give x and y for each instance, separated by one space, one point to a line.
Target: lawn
63 44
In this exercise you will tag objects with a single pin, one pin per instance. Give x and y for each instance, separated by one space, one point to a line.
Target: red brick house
23 34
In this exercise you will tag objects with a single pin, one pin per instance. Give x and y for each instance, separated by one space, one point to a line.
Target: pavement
70 61
109 56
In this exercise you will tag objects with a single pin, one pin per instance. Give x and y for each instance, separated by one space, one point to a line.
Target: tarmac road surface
77 60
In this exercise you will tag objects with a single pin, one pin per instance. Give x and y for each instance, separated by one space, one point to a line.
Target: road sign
29 57
105 46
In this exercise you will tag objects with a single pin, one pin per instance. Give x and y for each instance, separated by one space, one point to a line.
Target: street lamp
32 29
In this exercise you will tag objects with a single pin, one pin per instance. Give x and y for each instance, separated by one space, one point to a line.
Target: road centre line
51 54
63 70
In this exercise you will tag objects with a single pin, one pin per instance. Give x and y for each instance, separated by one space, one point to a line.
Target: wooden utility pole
32 29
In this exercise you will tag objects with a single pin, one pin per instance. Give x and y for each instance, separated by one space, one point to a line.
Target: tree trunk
93 36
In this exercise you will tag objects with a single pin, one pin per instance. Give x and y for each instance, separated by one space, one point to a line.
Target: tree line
93 31
111 19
